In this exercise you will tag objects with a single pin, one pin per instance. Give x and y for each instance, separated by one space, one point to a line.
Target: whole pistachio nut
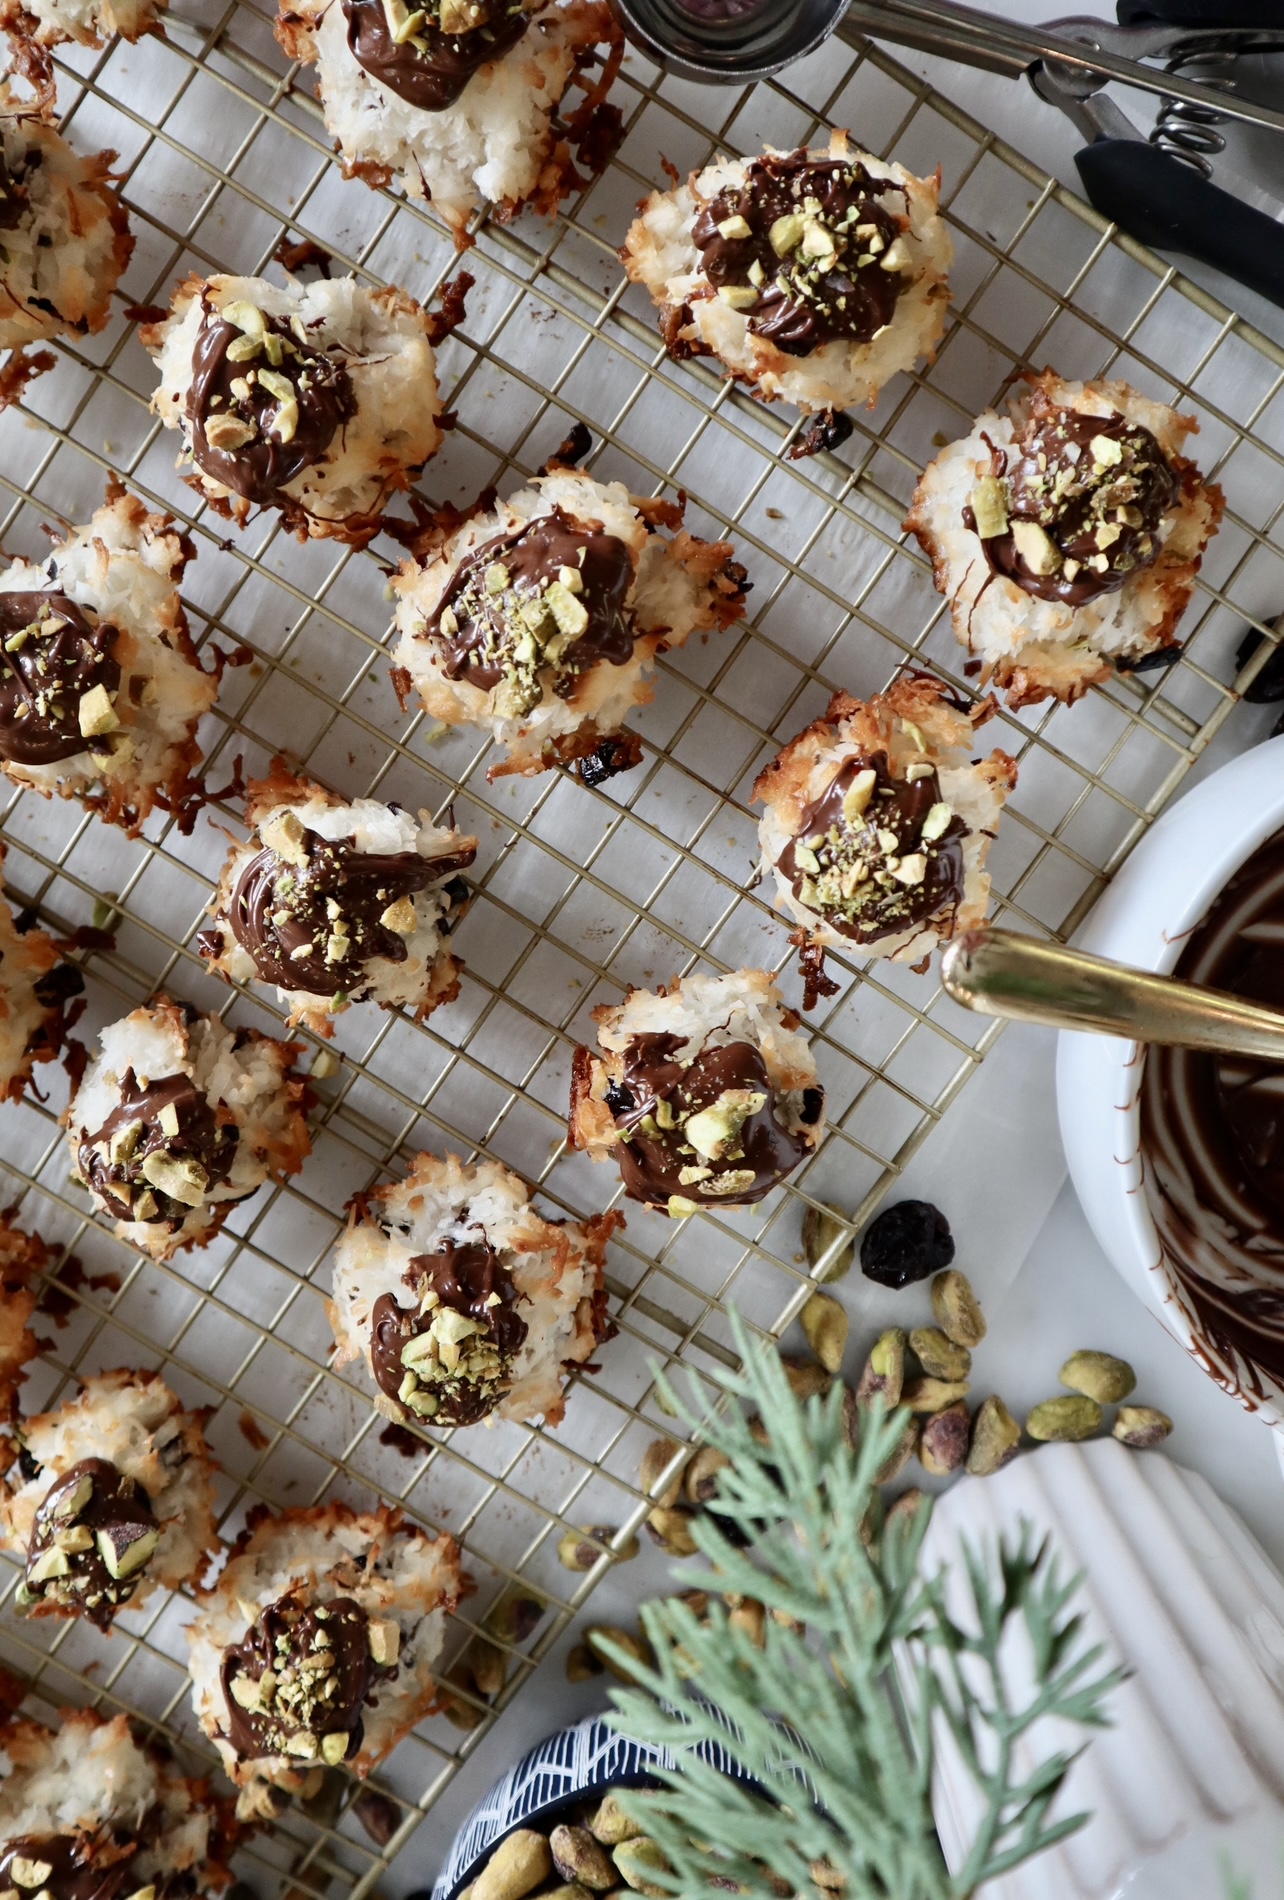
933 1395
825 1326
581 1663
656 1459
519 1864
1099 1376
631 1642
828 1241
578 1857
610 1824
580 1550
896 1461
636 1860
1064 1420
671 1530
957 1309
1142 1426
939 1357
884 1371
943 1442
701 1480
806 1378
996 1439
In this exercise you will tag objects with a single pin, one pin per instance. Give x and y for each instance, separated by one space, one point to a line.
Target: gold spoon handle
1003 973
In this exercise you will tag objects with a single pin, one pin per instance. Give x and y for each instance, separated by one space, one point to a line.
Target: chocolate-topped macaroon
316 1646
178 1118
464 1302
1066 534
879 821
705 1094
813 275
101 689
463 102
109 1496
90 1812
37 986
318 399
335 902
23 1258
537 619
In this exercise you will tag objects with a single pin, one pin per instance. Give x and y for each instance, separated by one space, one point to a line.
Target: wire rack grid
223 157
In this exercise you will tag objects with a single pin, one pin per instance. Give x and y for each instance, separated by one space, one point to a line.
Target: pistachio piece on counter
378 1814
462 1711
825 1325
1064 1420
610 1824
701 1480
581 1663
514 1617
747 1614
1099 1376
1142 1426
518 1865
488 1666
827 1237
933 1395
579 1858
957 1309
638 1857
806 1378
572 1890
906 1508
656 1459
580 1550
996 1439
943 1442
939 1357
884 1371
671 1530
631 1642
896 1461
871 1525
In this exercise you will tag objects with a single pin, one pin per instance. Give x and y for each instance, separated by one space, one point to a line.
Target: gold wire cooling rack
579 892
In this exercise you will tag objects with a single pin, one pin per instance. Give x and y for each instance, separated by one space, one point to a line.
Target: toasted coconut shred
121 1499
498 143
178 1118
357 901
63 231
705 1093
462 1301
878 822
36 985
90 1786
317 399
317 1646
23 1258
1085 602
103 703
89 22
821 264
536 621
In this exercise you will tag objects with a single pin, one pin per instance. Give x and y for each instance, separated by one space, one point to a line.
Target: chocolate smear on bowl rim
159 1152
298 1680
447 1359
805 250
58 679
426 55
93 1535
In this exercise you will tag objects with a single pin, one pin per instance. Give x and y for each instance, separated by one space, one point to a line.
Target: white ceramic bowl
1161 893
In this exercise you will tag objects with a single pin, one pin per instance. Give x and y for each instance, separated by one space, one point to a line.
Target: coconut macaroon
92 1812
101 689
23 1258
36 987
336 902
879 821
464 1303
705 1093
813 275
42 24
63 230
318 399
1066 534
110 1495
178 1118
316 1646
458 100
537 618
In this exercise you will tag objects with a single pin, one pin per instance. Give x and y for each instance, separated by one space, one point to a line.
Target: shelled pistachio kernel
905 1509
700 1481
906 1445
599 1635
581 1663
933 1395
996 1439
610 1824
1099 1376
518 1865
580 1550
825 1327
636 1859
939 1357
943 1442
806 1378
656 1459
671 1530
957 1309
1142 1426
884 1371
823 1229
579 1858
1065 1420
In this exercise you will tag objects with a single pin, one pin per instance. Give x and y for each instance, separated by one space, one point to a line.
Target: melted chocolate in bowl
1212 1138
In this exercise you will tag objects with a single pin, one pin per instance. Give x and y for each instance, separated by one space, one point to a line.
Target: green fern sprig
833 1731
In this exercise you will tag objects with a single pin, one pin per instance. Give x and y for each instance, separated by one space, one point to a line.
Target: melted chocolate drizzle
855 889
113 1515
261 466
504 579
50 657
656 1094
430 68
830 282
309 1673
1102 517
281 912
96 1866
121 1180
468 1280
